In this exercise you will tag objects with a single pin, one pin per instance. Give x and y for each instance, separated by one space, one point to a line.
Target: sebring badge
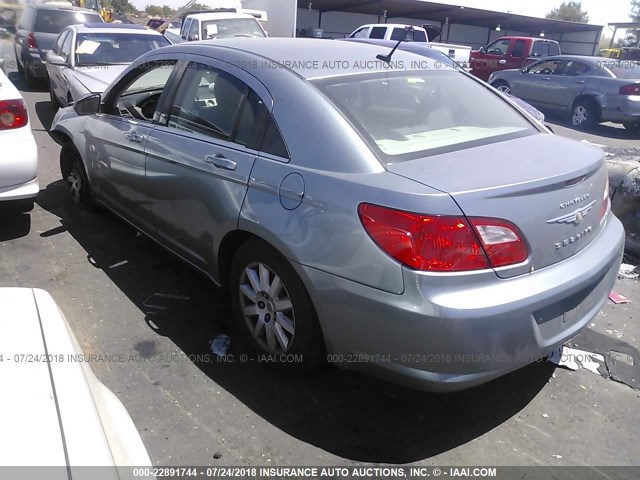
574 217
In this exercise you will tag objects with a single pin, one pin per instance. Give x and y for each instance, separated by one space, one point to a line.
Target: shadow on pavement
15 220
22 85
603 130
45 115
347 414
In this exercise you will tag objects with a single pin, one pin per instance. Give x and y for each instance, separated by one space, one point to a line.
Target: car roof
313 58
59 6
219 15
581 58
113 28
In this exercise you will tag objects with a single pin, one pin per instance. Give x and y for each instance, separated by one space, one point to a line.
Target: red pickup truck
510 52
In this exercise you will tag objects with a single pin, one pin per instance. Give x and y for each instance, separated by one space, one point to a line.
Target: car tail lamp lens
633 89
442 243
13 114
502 241
604 207
31 41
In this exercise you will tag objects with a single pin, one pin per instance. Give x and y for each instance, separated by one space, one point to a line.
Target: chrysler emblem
574 217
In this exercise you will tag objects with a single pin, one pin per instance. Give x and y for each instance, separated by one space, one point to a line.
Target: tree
633 36
153 10
122 6
167 11
569 11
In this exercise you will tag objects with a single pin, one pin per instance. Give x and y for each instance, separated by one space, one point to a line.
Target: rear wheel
584 114
75 177
502 86
272 308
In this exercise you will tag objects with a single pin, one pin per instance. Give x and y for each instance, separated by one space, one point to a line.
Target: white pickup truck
395 31
221 23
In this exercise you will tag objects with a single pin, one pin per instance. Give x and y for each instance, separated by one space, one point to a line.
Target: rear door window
54 21
518 49
378 32
413 36
544 49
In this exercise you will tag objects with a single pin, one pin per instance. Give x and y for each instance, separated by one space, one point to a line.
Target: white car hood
97 79
54 410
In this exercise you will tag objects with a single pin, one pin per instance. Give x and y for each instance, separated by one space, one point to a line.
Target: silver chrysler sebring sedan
411 223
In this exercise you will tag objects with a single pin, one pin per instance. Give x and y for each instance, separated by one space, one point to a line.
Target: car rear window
53 21
627 69
408 115
115 48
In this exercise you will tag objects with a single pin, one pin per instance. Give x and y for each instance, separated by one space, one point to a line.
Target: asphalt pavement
124 295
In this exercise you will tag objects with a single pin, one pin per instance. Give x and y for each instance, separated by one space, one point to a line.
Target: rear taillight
443 243
13 114
633 89
31 41
604 207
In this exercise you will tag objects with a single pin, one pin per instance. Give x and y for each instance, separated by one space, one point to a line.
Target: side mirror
54 59
524 70
483 50
88 105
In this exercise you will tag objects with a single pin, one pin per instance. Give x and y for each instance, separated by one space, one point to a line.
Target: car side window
499 47
65 51
543 48
360 33
576 68
551 67
257 129
378 32
138 96
207 102
273 142
57 48
518 49
193 31
186 27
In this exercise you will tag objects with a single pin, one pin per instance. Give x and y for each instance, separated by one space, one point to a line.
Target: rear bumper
451 332
620 108
36 65
18 164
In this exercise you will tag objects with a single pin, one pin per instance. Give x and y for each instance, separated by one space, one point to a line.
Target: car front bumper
450 332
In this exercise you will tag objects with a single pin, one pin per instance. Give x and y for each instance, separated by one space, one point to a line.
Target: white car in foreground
19 158
53 410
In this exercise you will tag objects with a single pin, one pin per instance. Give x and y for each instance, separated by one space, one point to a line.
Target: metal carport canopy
440 12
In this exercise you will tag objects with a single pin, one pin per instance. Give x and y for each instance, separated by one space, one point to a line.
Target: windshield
407 115
231 27
114 48
53 21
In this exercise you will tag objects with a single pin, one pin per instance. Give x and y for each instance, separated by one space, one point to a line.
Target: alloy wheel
580 115
74 183
267 308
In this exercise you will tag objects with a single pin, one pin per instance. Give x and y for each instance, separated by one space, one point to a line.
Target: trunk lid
550 187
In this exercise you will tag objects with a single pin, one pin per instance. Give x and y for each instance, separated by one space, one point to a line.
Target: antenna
387 58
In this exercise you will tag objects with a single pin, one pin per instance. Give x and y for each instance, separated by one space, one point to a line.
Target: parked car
87 58
426 50
38 29
510 52
396 32
154 23
19 165
221 23
355 207
589 89
74 420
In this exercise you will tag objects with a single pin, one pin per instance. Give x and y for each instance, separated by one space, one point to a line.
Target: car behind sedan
19 163
87 58
411 223
55 412
588 89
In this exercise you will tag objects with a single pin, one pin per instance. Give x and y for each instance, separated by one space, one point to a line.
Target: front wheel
502 86
75 177
272 308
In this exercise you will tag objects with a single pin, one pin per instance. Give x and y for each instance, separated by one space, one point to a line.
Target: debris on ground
220 345
628 271
575 359
618 299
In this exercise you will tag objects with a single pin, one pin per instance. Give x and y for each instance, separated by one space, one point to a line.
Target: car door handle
134 137
579 81
502 62
221 161
546 79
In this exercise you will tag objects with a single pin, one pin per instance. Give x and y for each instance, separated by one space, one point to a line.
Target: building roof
455 14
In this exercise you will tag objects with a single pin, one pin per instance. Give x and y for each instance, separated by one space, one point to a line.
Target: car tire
632 126
18 64
29 76
502 86
272 308
53 100
584 114
75 178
